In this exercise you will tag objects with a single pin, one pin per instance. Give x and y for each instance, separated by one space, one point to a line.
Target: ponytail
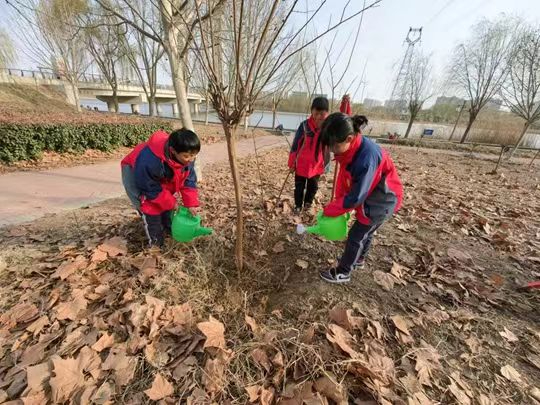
359 123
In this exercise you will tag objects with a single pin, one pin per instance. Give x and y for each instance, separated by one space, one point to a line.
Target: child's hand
194 211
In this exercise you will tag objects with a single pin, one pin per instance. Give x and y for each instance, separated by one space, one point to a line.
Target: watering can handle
184 210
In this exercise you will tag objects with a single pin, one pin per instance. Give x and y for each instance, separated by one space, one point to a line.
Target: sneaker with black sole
334 277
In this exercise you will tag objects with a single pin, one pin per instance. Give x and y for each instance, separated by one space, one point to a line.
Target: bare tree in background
336 80
417 87
311 73
480 65
107 44
175 33
285 81
7 50
52 37
237 76
143 53
521 90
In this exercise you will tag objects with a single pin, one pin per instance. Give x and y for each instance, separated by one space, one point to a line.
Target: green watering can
186 227
331 228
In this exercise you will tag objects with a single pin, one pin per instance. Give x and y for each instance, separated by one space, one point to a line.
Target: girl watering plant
367 182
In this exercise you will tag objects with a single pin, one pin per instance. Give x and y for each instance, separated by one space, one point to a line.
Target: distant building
494 104
371 102
457 101
396 104
303 94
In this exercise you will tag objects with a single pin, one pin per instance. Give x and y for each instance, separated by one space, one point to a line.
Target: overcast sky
384 28
444 22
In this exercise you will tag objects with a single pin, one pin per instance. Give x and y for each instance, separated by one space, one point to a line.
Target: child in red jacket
367 182
345 106
307 163
155 173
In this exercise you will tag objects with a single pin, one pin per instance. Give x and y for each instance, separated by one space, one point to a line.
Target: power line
414 36
439 12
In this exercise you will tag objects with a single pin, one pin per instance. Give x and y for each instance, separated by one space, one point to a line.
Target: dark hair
184 140
338 126
320 104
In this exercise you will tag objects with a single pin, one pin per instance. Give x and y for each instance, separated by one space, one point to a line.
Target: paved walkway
29 195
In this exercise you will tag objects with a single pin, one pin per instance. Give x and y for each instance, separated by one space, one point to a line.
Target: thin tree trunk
274 108
206 111
171 36
177 71
472 118
411 120
230 136
151 106
520 140
457 120
498 161
246 120
115 100
76 98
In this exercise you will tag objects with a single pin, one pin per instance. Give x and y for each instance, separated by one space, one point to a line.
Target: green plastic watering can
186 227
331 228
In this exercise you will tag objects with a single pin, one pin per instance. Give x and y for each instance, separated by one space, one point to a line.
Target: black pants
305 190
156 226
357 247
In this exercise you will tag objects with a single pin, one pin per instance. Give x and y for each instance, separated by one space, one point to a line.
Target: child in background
367 182
155 173
345 106
304 160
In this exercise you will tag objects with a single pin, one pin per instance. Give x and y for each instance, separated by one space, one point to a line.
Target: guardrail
48 74
35 74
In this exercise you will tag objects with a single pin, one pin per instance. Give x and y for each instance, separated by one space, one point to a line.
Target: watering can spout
315 229
186 227
203 231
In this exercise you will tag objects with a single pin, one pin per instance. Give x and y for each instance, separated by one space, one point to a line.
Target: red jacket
345 107
159 177
302 156
367 182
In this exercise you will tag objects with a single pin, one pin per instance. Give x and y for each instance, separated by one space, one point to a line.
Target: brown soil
453 328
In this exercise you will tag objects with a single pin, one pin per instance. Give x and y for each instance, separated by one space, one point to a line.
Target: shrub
29 141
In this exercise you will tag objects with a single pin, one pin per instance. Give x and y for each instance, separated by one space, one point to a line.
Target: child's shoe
335 277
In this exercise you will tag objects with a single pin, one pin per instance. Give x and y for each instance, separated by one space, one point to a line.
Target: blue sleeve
362 181
148 172
191 180
297 138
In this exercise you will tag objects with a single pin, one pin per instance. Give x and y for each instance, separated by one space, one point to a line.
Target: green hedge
28 142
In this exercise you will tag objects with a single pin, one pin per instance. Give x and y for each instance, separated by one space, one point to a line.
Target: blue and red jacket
159 177
367 181
302 156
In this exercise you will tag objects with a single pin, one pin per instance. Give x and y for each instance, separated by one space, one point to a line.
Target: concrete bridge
95 86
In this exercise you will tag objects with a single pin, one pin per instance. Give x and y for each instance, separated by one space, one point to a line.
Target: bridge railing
49 74
34 74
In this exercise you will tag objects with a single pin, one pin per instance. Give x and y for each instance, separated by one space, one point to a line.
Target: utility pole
413 37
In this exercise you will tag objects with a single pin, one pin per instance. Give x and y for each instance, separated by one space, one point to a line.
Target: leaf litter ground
89 316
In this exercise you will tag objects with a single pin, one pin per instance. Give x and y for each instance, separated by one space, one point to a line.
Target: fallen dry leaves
160 388
214 332
96 322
